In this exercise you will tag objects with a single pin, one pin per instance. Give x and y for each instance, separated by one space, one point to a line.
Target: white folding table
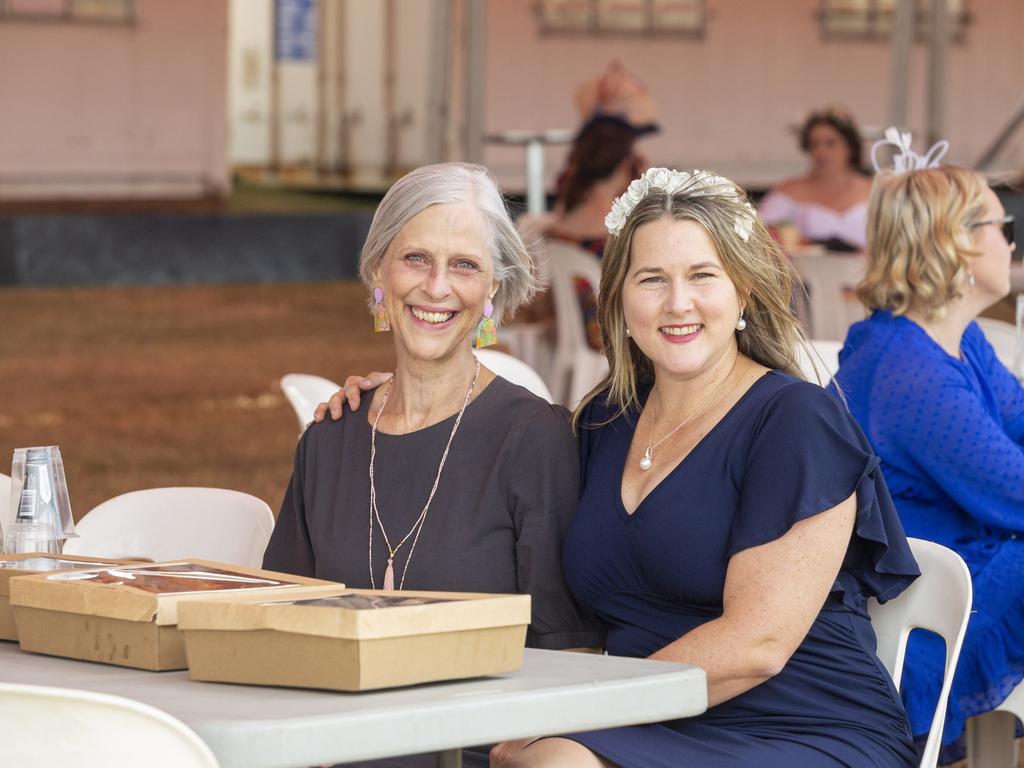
261 727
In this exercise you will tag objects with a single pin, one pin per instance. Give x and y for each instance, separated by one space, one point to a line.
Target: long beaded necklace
417 526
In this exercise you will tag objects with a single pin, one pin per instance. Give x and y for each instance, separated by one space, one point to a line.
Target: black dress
496 524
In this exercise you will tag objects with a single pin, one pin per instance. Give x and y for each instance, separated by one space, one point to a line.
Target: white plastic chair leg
990 742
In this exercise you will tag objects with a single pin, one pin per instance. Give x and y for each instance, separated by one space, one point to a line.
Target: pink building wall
116 111
727 101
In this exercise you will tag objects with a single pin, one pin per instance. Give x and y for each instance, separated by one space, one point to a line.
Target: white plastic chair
1003 338
576 368
175 524
820 363
515 370
305 391
939 601
6 512
829 280
60 726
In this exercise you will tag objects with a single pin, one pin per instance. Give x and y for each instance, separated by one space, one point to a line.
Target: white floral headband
907 159
696 183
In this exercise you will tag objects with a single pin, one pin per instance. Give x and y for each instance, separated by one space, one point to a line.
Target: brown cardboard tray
126 615
353 639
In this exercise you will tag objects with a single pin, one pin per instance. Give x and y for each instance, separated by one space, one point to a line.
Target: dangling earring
970 279
741 324
380 315
486 332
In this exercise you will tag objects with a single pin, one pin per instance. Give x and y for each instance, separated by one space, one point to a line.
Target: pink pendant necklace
417 526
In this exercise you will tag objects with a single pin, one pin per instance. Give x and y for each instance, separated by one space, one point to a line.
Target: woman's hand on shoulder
352 391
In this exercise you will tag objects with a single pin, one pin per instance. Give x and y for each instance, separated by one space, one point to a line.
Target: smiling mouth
681 330
433 318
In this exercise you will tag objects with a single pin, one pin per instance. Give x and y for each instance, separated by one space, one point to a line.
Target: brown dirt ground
154 386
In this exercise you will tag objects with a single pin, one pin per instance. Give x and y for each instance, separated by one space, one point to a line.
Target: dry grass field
154 386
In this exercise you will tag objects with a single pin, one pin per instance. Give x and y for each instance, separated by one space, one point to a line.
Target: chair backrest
939 601
175 524
61 726
305 391
576 366
515 370
830 280
6 511
1003 338
820 363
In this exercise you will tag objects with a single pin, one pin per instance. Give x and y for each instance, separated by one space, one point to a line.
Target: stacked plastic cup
39 502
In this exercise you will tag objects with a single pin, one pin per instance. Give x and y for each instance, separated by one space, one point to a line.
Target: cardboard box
354 639
31 563
127 615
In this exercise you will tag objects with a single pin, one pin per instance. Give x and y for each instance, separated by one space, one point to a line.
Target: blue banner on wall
295 30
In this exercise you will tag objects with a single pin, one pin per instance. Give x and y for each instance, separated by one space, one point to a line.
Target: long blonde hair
756 266
919 242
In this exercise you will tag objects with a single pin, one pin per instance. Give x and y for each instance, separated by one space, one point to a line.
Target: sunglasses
1005 223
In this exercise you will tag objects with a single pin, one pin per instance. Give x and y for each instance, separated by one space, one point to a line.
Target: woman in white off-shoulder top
830 204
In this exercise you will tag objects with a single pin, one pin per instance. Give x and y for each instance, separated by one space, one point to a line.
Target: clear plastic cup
39 502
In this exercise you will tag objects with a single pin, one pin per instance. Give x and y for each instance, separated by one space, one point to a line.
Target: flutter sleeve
290 549
807 455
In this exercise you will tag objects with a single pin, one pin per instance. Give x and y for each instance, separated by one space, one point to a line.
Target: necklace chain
417 525
648 458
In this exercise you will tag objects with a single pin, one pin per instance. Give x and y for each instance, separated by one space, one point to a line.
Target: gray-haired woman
454 479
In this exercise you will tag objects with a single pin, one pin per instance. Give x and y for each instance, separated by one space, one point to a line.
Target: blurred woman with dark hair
829 204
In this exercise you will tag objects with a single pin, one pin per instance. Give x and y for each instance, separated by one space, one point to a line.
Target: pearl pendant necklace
646 462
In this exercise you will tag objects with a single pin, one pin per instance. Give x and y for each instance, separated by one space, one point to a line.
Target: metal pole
390 99
902 44
439 83
343 151
535 201
320 159
451 758
938 42
275 93
475 80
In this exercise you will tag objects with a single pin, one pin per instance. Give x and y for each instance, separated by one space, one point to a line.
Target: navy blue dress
785 452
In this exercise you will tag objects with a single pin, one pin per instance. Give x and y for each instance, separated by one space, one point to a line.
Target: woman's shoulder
781 402
515 404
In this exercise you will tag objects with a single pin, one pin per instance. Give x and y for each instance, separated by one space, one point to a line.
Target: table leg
450 758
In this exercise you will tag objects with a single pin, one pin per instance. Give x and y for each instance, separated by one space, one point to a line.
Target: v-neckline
625 455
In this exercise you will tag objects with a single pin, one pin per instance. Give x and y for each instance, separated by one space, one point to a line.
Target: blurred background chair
305 391
1003 338
576 368
830 306
61 726
819 363
938 601
177 523
514 370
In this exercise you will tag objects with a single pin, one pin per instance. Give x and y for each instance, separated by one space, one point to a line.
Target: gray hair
452 183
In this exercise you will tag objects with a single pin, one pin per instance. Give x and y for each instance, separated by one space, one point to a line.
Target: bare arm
352 391
773 594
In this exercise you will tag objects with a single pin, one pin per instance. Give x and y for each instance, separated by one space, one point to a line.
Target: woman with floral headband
945 416
829 204
732 515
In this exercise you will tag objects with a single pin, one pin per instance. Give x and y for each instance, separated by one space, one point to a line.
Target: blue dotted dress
785 452
950 434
